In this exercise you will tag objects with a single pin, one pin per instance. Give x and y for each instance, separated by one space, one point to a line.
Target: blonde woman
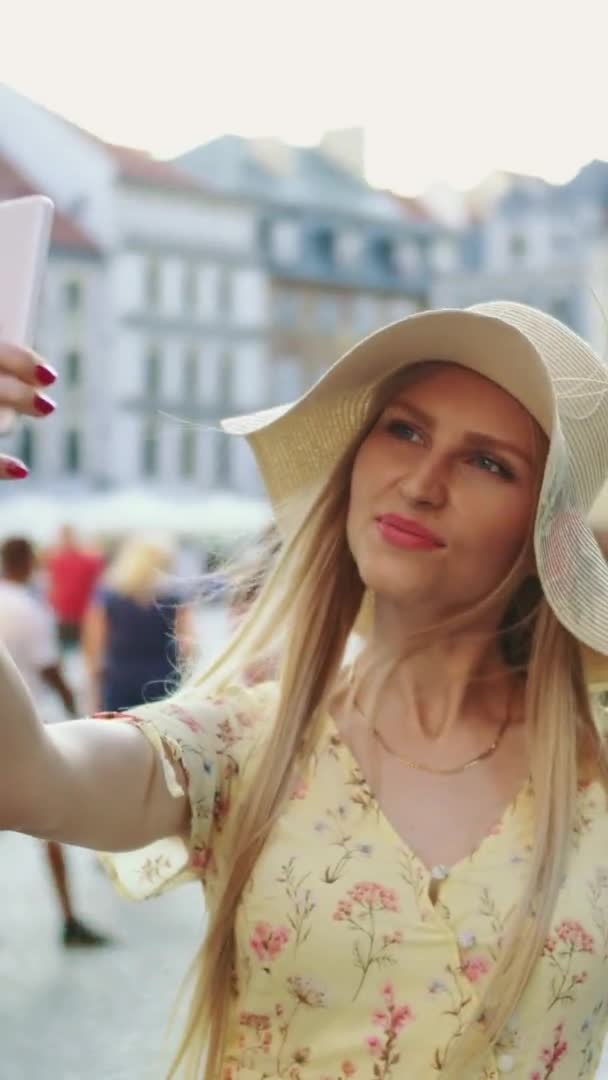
405 858
138 631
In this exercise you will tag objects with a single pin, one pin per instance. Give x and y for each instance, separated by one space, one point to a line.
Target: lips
404 532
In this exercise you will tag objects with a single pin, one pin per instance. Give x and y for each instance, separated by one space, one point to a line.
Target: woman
138 631
404 859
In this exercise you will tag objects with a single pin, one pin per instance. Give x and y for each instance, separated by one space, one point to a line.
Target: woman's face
443 493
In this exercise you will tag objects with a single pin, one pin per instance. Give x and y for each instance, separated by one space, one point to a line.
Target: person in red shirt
73 572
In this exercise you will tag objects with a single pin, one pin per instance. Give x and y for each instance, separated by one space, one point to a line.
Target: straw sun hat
551 371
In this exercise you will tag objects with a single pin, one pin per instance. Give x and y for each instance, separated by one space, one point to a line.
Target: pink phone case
25 233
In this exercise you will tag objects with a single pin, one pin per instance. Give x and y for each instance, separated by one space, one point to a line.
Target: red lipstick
406 533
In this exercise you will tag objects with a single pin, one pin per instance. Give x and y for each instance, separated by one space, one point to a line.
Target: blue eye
402 430
489 464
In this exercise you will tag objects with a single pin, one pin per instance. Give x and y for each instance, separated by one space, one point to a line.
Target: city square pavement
98 1014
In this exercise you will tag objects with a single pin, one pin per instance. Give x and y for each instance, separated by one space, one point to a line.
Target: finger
23 398
25 364
12 468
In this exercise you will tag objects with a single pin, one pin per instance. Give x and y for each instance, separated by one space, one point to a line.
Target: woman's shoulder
226 725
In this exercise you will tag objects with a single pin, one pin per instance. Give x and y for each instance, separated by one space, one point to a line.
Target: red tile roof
66 234
140 167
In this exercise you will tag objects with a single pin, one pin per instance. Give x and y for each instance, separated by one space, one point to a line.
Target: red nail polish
16 470
43 404
45 374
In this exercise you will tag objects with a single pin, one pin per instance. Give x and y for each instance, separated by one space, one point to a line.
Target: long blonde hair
314 592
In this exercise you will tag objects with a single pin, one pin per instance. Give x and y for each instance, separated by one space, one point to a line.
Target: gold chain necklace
485 754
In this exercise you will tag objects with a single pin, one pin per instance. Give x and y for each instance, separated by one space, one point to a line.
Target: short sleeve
216 741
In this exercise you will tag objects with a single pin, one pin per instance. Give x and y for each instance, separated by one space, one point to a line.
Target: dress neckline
486 842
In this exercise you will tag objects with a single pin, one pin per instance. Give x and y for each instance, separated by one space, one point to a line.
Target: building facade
173 333
342 258
541 244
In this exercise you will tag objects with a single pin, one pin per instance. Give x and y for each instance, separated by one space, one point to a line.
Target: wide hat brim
323 420
545 366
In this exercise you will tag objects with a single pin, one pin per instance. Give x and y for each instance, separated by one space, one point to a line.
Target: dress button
466 939
439 872
505 1063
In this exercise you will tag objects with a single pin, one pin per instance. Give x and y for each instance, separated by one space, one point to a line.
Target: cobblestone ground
87 1015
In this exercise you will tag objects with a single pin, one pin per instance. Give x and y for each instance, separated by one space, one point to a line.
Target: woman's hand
23 379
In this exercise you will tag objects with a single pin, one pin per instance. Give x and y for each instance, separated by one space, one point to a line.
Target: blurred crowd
126 615
95 630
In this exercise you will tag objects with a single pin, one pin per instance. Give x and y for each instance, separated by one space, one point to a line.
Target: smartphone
25 235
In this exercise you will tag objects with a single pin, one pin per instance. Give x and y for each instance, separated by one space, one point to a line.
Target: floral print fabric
345 965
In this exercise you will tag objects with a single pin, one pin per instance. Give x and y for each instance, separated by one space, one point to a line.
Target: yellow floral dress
345 967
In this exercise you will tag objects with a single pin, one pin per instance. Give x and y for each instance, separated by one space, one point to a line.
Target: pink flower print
561 949
268 943
575 935
348 1068
359 909
475 967
552 1055
392 1018
188 720
300 790
201 857
258 1021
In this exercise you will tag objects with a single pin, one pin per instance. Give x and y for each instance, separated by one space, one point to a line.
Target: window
152 373
191 388
383 253
223 461
73 295
285 241
323 241
149 448
72 451
73 368
224 293
226 380
27 447
187 453
348 248
518 245
287 379
190 288
153 283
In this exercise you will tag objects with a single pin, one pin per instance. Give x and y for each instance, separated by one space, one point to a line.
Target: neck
438 686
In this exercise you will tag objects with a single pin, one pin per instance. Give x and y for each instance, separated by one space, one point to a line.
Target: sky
447 91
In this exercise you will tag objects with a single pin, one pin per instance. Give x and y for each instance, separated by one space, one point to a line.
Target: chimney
346 148
273 154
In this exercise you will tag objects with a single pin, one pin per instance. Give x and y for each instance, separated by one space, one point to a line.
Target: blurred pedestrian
28 631
139 629
73 571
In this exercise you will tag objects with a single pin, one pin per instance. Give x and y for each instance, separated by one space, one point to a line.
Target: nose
425 483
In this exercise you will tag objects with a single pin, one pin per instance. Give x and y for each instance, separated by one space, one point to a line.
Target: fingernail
17 470
45 374
43 404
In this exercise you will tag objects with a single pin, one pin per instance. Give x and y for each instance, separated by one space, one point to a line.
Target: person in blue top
139 629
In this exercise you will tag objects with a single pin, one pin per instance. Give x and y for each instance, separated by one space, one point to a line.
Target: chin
398 584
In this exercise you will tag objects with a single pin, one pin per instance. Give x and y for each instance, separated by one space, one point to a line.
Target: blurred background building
228 279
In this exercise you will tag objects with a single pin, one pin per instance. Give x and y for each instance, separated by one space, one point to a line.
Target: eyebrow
471 438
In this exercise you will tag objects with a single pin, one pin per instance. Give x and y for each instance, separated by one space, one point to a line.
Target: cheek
502 528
